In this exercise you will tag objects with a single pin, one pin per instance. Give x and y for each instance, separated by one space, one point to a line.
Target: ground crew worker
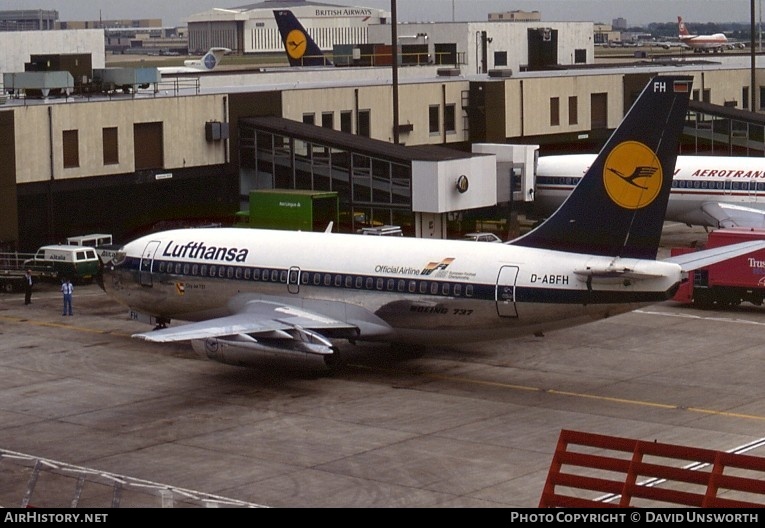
28 287
67 289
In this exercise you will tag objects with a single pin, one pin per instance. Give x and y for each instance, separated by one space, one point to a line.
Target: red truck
727 283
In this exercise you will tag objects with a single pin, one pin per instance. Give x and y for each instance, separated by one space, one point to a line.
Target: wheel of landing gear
334 361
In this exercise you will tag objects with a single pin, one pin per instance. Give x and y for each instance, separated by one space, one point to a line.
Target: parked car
384 230
482 237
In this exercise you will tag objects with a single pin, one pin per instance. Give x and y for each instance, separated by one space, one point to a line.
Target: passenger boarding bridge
423 189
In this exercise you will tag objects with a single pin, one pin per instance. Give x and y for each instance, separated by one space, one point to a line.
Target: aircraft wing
699 259
734 215
266 319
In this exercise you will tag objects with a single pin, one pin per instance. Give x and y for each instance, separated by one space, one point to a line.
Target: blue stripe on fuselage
387 284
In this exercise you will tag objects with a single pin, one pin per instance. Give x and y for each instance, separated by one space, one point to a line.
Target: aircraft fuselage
391 289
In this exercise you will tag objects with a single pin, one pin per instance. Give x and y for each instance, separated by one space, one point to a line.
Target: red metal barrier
615 472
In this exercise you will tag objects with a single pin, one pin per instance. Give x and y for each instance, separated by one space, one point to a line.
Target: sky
636 12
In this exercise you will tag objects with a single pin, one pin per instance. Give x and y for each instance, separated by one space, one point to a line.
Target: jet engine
299 348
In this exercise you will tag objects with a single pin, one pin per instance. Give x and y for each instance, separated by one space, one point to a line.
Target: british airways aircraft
208 62
709 191
249 293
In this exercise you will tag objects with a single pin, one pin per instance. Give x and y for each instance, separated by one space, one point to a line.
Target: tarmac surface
90 417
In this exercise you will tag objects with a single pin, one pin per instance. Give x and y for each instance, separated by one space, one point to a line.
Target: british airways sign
348 11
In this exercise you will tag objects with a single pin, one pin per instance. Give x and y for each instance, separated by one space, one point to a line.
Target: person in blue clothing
67 289
28 287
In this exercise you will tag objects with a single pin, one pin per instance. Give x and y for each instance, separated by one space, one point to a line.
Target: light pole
394 50
752 55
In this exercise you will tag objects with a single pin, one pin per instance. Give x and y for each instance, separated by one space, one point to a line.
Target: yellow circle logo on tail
632 175
296 44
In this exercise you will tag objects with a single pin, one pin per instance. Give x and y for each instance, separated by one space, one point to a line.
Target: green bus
78 263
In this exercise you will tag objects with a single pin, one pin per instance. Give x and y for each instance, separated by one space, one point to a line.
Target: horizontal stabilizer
611 272
733 215
707 257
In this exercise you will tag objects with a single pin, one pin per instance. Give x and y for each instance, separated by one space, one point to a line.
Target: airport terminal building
252 28
128 163
166 155
355 34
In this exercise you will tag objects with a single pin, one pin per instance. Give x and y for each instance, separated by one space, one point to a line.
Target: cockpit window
119 258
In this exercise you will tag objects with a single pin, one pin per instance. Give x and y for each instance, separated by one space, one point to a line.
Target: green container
294 210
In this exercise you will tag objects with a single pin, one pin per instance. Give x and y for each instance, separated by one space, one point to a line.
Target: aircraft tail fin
300 47
618 207
209 60
213 57
681 29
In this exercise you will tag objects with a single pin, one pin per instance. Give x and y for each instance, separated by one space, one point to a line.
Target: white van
78 263
92 240
105 247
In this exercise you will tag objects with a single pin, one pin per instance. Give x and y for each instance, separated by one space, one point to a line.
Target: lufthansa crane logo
296 44
632 175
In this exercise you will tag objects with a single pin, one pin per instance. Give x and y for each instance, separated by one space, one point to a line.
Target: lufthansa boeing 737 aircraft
248 293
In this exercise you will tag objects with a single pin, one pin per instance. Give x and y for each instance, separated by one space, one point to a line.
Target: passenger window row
318 278
557 180
720 184
735 185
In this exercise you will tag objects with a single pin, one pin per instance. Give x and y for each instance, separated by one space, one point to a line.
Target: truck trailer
49 264
727 283
13 266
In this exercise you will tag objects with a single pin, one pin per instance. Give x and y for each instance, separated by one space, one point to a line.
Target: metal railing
35 482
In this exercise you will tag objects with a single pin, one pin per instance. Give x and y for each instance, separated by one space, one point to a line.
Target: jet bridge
516 170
